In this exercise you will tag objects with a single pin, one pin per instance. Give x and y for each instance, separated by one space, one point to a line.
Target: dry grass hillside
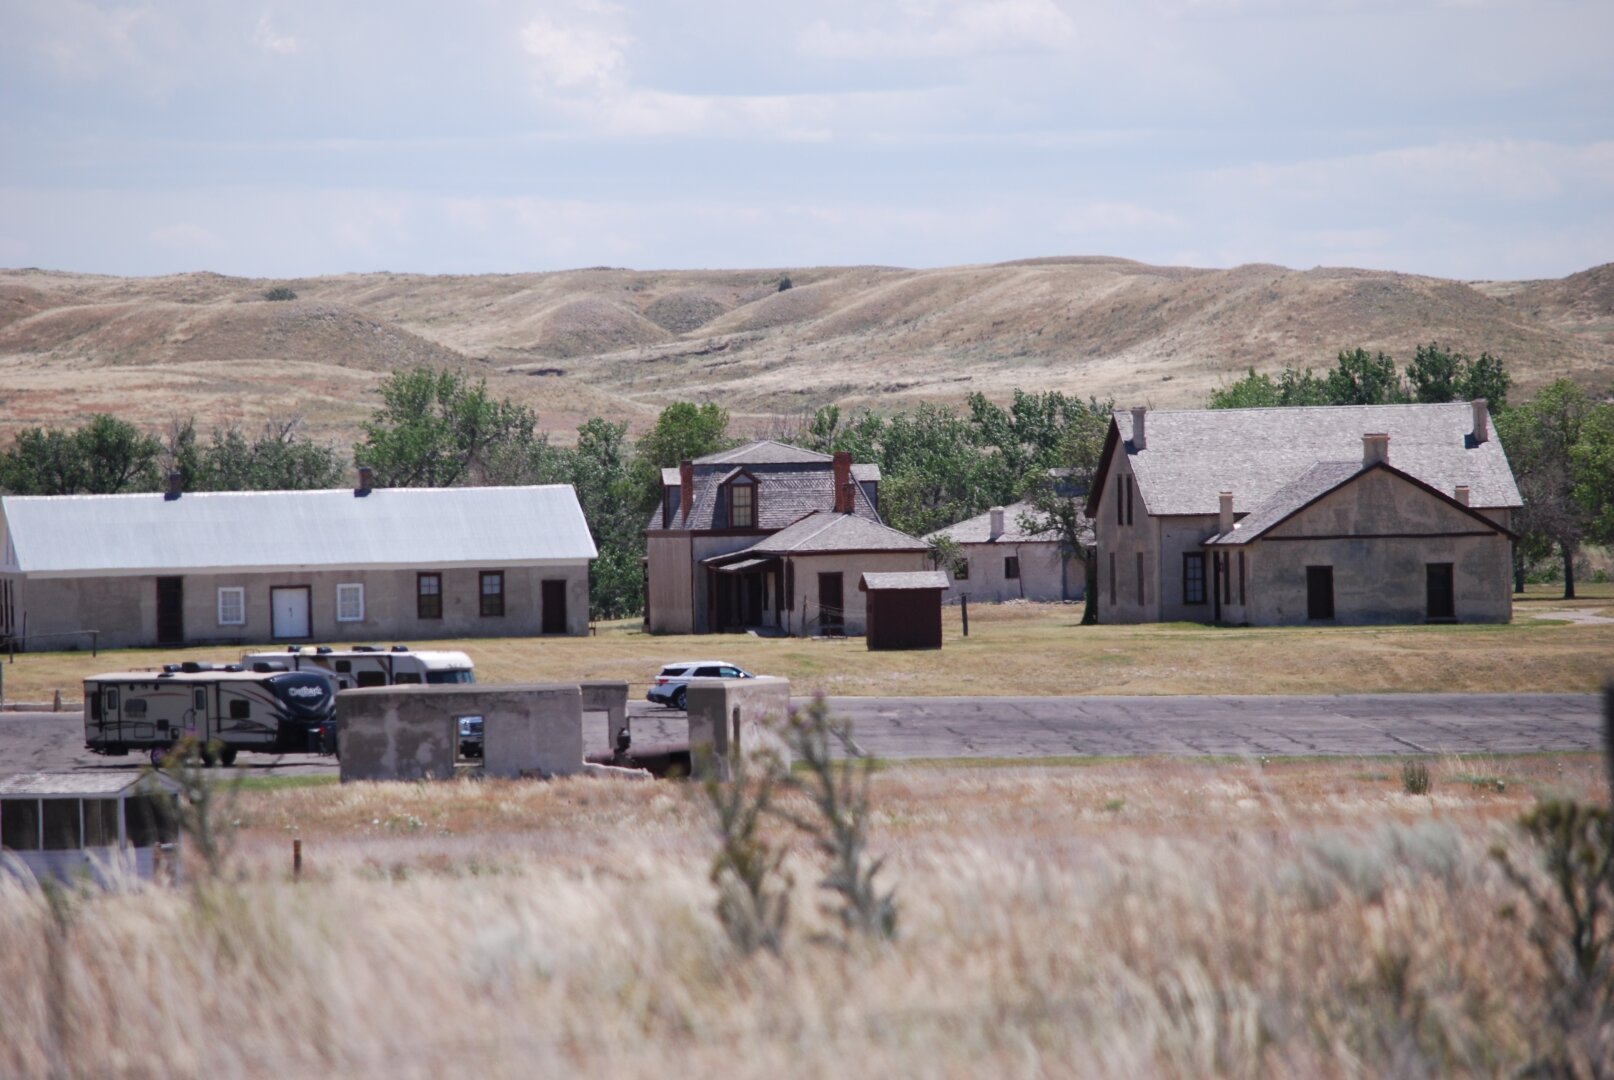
621 343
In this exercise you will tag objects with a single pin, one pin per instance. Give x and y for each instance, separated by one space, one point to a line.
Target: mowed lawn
1039 649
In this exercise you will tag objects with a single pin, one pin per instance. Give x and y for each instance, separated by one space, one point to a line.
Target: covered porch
747 592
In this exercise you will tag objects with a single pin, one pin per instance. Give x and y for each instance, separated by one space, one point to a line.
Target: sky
1460 138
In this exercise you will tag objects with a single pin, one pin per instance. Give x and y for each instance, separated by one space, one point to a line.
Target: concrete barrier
530 730
736 716
396 733
610 698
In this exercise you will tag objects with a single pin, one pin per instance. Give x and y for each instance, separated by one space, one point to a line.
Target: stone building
1002 560
1329 515
238 567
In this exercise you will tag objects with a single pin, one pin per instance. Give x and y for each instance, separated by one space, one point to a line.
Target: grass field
1142 918
1035 649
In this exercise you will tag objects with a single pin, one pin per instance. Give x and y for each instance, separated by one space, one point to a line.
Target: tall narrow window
1319 592
232 606
1120 499
1242 596
1193 577
428 596
1011 567
1227 577
350 603
1112 577
1129 500
1141 600
493 592
742 504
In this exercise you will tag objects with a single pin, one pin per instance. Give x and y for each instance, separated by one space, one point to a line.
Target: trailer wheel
209 759
227 756
158 755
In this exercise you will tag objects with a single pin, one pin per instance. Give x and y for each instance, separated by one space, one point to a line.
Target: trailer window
19 824
134 707
440 677
62 831
94 698
371 678
401 680
100 822
199 700
240 709
111 701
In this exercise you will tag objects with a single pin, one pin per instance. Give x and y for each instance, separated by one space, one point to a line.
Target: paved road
1043 726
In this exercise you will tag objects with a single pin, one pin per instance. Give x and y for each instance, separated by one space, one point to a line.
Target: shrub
753 890
784 282
280 292
1415 778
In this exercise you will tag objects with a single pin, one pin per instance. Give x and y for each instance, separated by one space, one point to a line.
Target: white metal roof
424 528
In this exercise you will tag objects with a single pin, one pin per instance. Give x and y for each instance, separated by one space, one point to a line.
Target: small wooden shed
70 825
904 609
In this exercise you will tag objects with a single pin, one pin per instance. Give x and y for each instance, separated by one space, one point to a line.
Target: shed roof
1192 454
80 783
915 579
827 531
79 535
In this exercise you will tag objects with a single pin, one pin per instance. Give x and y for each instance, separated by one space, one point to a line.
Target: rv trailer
359 666
225 709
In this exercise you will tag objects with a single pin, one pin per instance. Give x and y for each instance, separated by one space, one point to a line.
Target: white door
289 612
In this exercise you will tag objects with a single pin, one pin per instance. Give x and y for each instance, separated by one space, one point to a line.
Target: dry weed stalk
753 889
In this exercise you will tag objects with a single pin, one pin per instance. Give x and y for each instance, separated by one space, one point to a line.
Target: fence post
95 643
964 609
297 859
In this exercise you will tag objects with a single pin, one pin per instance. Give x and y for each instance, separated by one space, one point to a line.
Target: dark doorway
170 610
1319 592
554 605
831 603
1442 600
753 600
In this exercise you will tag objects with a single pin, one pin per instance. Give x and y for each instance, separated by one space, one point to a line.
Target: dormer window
742 503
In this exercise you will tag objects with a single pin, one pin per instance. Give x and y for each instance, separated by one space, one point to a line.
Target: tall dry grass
1133 919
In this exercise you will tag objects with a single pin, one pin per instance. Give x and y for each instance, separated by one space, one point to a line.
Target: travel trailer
225 709
358 666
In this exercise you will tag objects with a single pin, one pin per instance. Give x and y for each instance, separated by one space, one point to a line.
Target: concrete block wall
610 698
729 716
527 730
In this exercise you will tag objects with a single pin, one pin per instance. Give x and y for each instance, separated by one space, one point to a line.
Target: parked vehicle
371 665
225 709
470 736
671 686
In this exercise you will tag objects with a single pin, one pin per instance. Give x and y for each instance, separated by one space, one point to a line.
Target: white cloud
573 57
266 39
946 28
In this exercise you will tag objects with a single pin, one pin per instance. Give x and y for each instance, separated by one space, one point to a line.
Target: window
1120 499
1129 500
1224 564
100 822
240 709
1011 566
961 571
199 700
742 504
1112 577
1140 579
428 596
232 606
1319 592
1242 597
134 707
19 824
1193 577
62 831
350 603
493 592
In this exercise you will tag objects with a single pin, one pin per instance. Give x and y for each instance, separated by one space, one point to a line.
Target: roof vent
322 650
195 665
400 648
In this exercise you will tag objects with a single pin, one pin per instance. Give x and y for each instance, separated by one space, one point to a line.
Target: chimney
843 482
1482 420
1139 412
1224 523
366 481
997 522
176 484
1461 494
686 487
1375 449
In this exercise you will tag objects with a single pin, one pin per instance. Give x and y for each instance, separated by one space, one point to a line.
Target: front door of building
554 607
831 603
170 610
288 613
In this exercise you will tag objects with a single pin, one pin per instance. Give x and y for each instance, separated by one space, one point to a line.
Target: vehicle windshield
458 675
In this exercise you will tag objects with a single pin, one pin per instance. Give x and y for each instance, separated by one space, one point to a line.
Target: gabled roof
1312 485
826 531
783 496
763 452
913 579
425 528
978 529
1191 455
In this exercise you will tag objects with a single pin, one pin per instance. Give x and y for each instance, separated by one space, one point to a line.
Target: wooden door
554 607
170 610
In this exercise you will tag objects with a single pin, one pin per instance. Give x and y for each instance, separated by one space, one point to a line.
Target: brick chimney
686 487
1224 522
1139 414
1482 420
844 497
997 522
366 481
176 484
1461 494
1375 449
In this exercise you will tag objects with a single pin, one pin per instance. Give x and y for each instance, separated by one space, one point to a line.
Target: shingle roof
1315 482
262 530
763 452
914 579
978 529
783 496
1193 454
826 530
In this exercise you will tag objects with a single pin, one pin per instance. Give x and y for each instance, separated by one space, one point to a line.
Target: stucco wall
125 609
1124 543
1045 573
803 616
1381 578
747 715
1179 535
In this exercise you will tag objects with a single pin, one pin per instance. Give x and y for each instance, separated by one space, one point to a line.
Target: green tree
1485 378
1360 379
1291 388
682 432
1555 470
103 457
601 470
435 428
1439 375
278 459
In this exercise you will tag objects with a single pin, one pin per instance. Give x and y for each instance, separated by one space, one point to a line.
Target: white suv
672 685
